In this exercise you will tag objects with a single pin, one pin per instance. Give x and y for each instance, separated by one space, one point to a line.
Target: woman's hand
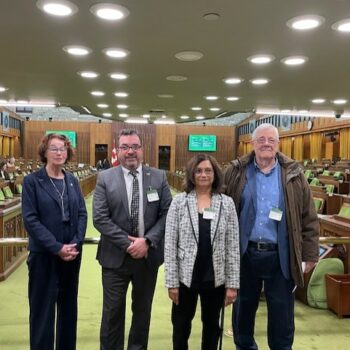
174 295
230 296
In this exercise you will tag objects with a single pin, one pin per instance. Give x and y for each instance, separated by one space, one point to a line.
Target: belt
262 246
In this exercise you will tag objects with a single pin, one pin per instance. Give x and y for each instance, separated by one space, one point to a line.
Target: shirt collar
127 171
256 166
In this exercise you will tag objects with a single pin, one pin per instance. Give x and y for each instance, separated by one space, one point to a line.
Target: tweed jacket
182 235
302 221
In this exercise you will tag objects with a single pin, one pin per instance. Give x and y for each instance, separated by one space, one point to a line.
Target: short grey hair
265 126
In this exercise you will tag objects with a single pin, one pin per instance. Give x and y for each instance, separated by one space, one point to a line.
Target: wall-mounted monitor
71 135
202 143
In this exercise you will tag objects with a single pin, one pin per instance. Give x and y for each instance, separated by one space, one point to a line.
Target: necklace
59 193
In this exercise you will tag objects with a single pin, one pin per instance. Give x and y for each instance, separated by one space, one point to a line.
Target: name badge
208 214
275 214
152 195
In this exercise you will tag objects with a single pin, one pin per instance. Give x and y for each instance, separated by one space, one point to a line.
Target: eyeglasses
56 150
125 148
270 140
206 171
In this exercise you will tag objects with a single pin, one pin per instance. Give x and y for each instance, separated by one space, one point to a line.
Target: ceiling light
122 106
305 22
121 94
123 115
303 111
342 26
261 59
211 16
200 117
232 98
97 93
211 98
60 8
118 76
2 89
233 81
115 52
107 114
136 121
176 78
196 108
165 96
3 102
285 110
77 50
318 100
294 60
189 56
214 109
185 117
102 105
340 101
88 74
109 12
146 116
163 121
260 81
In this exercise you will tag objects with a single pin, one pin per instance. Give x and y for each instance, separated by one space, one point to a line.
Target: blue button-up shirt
268 195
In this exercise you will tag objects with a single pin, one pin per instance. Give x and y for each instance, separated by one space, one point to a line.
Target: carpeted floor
315 329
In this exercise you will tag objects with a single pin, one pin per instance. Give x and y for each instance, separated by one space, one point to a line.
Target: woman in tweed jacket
201 252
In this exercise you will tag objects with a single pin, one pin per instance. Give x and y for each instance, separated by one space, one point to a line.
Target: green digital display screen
202 143
71 135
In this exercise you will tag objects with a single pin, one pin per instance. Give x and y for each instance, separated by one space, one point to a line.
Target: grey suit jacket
111 215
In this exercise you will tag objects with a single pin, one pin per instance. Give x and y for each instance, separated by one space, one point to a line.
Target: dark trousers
182 315
256 268
53 283
115 285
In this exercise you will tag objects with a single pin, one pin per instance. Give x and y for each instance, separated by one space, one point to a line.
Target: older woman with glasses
201 252
55 218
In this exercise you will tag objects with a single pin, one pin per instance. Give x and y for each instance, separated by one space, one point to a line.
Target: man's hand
68 252
309 266
138 247
174 295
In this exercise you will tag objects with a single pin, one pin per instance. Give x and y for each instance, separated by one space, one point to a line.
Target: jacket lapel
45 183
215 205
193 213
146 184
121 188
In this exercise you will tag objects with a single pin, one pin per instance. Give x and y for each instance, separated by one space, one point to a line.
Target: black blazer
42 216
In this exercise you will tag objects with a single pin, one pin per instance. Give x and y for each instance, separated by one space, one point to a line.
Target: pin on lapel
71 184
148 174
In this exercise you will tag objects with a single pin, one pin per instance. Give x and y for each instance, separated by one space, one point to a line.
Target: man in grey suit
129 209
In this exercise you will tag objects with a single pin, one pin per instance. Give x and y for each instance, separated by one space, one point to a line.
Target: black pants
115 286
52 283
256 268
212 300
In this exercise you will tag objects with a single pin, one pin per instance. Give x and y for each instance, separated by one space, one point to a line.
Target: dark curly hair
44 145
189 183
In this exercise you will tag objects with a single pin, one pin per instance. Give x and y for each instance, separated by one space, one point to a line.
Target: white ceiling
34 67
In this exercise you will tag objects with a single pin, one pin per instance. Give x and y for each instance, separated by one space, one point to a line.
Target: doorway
164 157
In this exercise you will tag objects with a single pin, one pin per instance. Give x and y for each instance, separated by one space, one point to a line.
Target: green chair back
315 181
329 188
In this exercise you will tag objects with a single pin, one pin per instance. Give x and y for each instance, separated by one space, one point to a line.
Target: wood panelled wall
10 141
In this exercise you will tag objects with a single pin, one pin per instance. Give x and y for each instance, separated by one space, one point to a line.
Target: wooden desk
342 187
330 225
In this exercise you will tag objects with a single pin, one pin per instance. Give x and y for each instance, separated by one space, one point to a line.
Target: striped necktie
135 202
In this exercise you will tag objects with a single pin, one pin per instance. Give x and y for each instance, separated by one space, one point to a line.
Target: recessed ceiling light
2 89
303 111
22 102
185 117
59 8
136 121
97 93
3 101
211 16
146 116
305 22
285 110
196 108
115 52
118 76
260 81
340 101
232 98
318 100
294 60
77 50
214 109
122 106
199 117
189 56
176 78
211 98
342 26
102 105
166 96
123 115
109 12
107 114
163 121
88 74
121 94
261 59
233 81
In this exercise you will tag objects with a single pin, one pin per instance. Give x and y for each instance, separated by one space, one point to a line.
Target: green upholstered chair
315 181
307 174
326 173
319 205
316 290
329 188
